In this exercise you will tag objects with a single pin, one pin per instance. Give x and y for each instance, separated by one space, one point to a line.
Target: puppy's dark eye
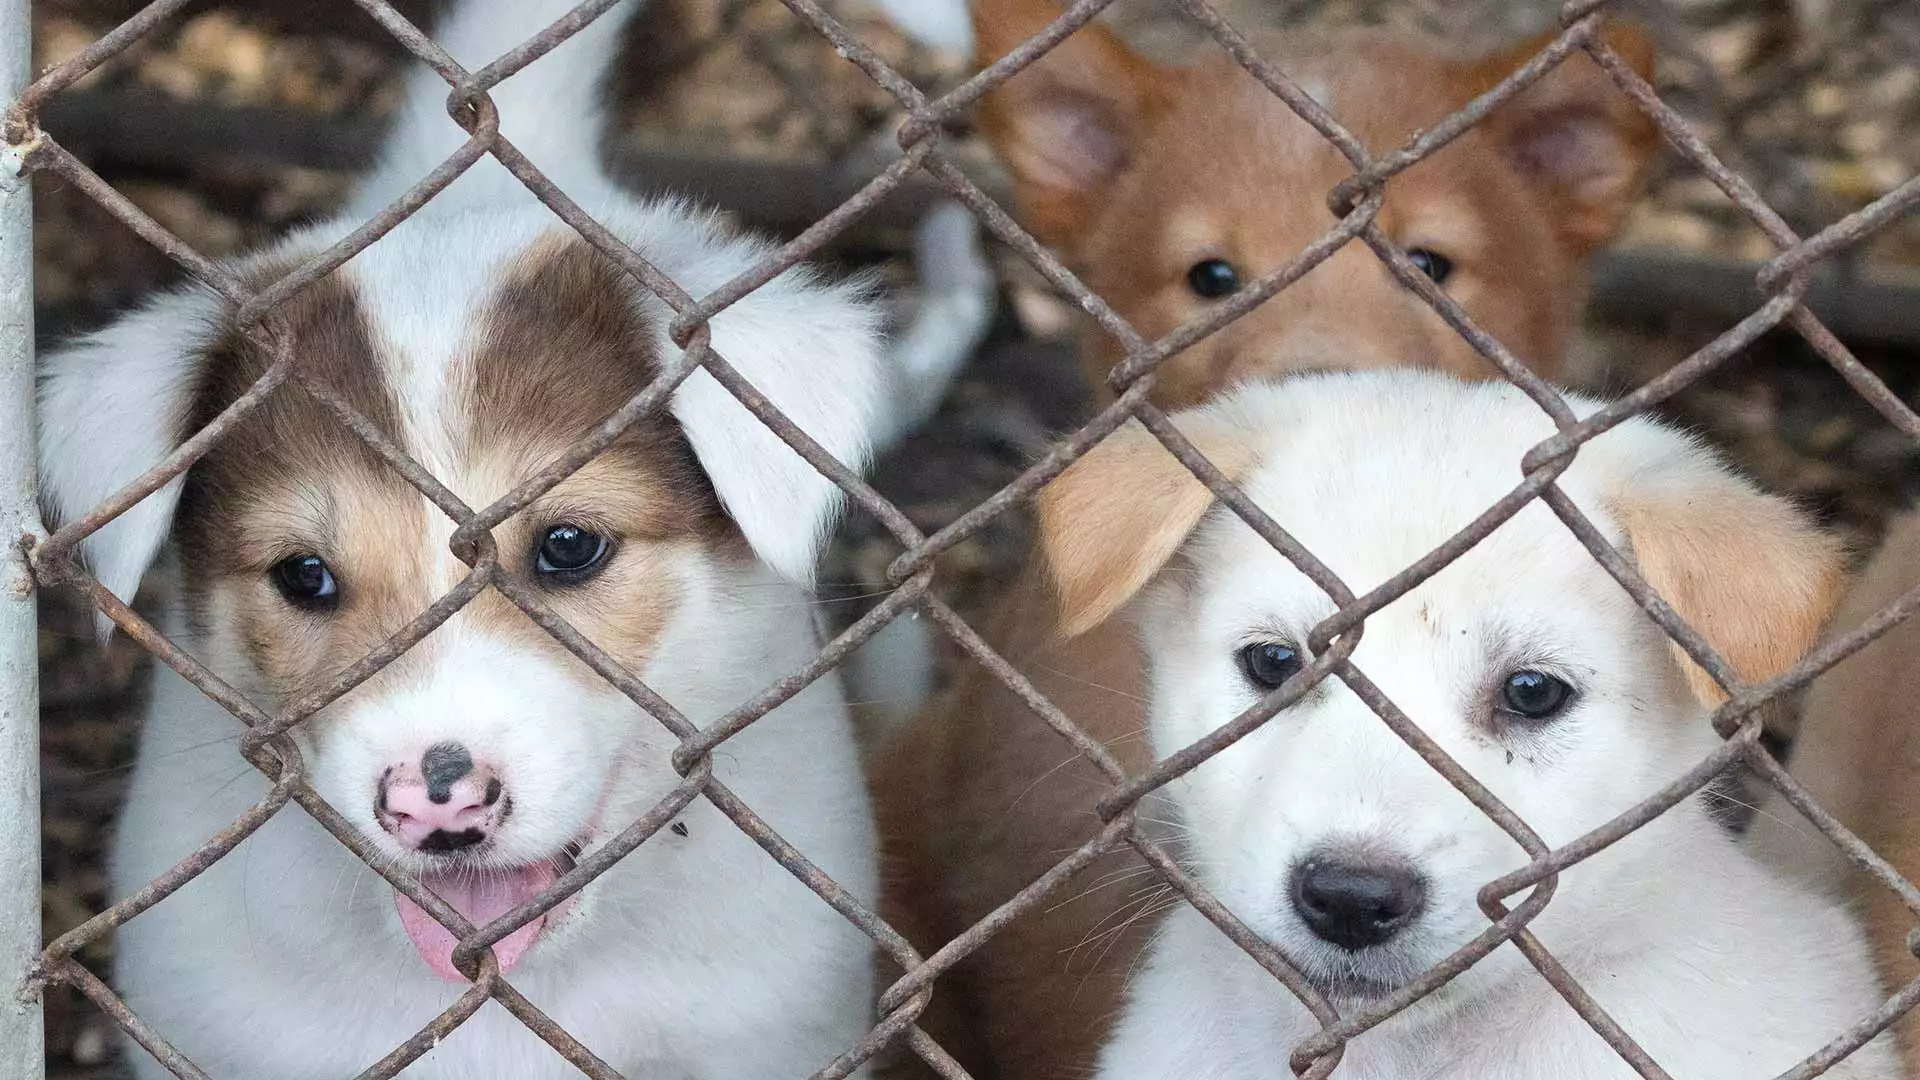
306 582
1269 663
1534 695
1213 278
569 553
1433 264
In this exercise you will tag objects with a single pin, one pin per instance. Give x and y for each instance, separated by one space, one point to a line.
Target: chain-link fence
47 561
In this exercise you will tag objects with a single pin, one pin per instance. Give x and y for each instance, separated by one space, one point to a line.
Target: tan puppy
1168 188
1858 753
1165 188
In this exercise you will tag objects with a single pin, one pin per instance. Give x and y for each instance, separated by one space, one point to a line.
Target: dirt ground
1817 101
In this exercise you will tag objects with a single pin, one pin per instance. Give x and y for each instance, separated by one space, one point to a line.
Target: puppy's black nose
1356 904
443 765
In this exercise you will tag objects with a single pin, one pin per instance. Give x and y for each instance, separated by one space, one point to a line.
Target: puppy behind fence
29 149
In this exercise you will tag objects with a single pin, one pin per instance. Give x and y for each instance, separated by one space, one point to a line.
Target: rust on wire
1511 902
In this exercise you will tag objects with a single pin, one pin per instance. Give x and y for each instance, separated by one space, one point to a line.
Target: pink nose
443 802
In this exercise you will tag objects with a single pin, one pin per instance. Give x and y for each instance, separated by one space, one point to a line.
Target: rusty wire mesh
1356 202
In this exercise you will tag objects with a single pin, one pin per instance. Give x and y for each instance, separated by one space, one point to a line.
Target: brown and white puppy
1166 188
1857 752
485 338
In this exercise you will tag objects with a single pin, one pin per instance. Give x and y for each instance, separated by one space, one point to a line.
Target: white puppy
1530 666
485 337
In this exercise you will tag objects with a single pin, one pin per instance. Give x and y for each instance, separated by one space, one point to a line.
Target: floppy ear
815 352
112 405
1064 125
1114 518
1748 570
1574 134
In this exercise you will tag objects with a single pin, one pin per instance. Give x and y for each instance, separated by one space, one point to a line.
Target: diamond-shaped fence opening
1784 281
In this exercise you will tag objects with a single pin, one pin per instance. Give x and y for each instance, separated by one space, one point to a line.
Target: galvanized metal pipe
22 1038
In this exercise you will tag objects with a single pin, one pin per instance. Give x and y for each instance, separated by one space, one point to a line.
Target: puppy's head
484 344
1524 660
1168 189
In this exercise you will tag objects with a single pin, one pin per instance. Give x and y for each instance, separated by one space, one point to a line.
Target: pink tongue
482 896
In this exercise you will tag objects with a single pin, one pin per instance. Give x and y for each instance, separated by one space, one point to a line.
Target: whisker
1123 876
1113 938
127 766
1790 822
1114 690
1094 933
1041 779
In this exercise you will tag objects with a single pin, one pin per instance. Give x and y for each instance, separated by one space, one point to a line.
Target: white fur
937 24
697 956
952 319
548 110
110 408
1717 967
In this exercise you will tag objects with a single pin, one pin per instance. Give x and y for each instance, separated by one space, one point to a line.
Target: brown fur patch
1756 579
1573 134
291 480
977 799
1112 520
566 346
1858 755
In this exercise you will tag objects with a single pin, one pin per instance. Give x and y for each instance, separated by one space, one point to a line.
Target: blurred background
240 120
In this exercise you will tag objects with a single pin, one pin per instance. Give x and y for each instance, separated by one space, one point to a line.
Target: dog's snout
1355 904
442 803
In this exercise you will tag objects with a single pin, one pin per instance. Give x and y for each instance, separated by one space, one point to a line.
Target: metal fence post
22 1038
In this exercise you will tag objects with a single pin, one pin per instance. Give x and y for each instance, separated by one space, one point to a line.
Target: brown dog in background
1165 189
1857 752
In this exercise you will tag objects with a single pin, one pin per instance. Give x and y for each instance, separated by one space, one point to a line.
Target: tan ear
1751 572
1064 125
1114 518
1574 134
